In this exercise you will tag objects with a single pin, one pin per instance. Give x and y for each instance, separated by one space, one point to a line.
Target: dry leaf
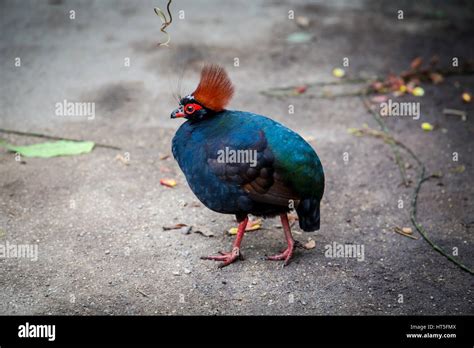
436 78
205 232
301 89
377 86
252 225
394 82
408 232
122 159
302 21
174 227
416 63
168 182
311 244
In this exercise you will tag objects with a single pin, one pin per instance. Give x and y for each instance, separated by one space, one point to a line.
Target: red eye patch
190 108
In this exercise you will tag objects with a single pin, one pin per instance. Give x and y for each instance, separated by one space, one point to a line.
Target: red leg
229 257
288 252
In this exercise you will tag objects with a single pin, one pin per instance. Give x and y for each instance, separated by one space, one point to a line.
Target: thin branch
39 135
424 74
393 144
413 216
289 91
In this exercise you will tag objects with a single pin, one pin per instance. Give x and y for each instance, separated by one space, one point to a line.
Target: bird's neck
208 116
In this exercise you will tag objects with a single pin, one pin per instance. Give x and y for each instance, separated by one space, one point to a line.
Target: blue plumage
241 163
294 162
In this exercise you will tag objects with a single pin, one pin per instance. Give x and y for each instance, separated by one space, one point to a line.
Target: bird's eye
190 108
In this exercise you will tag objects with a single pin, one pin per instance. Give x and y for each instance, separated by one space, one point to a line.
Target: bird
241 163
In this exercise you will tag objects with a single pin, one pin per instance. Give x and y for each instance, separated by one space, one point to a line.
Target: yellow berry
338 72
427 126
418 92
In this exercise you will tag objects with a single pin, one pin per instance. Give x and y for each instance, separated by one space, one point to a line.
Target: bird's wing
252 168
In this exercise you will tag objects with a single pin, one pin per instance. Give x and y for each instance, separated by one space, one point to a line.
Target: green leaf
299 37
52 149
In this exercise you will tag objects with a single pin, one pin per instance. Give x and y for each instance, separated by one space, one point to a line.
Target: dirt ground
98 222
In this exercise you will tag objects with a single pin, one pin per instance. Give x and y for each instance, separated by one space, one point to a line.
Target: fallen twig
392 143
415 73
421 180
391 83
38 135
141 292
290 91
455 112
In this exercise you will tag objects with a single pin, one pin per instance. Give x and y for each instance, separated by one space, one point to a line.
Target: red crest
215 88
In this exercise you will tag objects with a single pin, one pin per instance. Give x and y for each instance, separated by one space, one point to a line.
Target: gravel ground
98 222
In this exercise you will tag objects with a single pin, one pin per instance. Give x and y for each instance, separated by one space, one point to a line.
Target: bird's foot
287 254
226 257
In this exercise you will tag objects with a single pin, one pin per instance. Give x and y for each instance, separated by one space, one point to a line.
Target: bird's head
210 97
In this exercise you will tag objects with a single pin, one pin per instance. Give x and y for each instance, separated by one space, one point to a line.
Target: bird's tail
308 214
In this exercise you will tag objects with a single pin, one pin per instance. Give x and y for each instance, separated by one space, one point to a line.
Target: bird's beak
178 113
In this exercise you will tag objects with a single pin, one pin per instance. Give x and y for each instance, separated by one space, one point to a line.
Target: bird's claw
226 257
286 255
